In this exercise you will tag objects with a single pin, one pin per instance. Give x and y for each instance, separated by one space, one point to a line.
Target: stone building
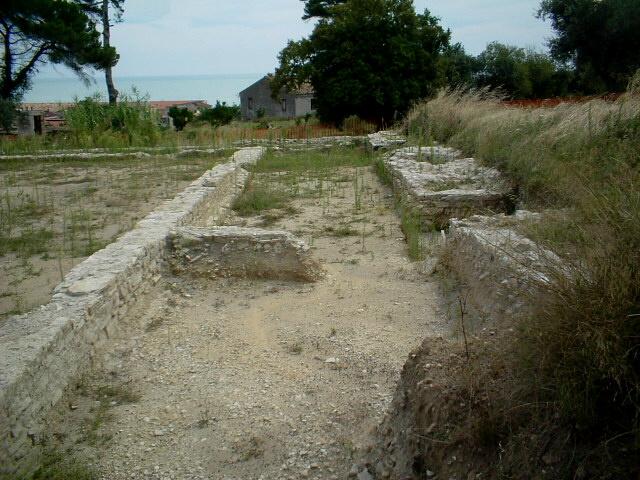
289 104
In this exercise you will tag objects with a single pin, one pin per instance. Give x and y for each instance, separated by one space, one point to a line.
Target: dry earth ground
259 379
56 212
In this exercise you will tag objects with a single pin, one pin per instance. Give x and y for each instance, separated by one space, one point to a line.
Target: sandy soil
53 214
257 379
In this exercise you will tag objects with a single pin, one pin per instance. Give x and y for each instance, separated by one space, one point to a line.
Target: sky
212 37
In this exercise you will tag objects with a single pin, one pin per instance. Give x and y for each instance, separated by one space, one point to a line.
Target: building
256 100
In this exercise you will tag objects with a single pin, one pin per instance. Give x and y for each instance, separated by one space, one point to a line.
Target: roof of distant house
304 89
161 104
46 107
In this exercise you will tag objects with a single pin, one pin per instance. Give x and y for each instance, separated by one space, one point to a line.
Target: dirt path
253 379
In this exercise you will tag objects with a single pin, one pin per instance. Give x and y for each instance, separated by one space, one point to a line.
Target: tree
221 114
36 31
521 73
456 67
8 113
369 58
180 116
601 38
504 66
319 8
99 10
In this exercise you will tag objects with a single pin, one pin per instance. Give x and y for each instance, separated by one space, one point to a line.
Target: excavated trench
261 352
269 347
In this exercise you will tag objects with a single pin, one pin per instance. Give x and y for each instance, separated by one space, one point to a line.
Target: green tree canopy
221 114
521 73
601 38
319 8
180 116
369 58
37 31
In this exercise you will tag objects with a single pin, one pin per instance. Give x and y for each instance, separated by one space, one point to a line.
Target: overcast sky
202 37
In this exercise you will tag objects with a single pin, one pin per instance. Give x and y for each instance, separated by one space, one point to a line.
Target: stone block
246 252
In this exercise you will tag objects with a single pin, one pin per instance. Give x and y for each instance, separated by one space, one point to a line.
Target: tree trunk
106 39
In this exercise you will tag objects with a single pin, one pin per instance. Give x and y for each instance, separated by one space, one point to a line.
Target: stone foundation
244 252
503 272
385 139
442 185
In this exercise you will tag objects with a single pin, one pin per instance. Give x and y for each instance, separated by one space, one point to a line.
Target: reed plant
570 374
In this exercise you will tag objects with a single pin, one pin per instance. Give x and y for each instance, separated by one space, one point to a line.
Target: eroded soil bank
240 378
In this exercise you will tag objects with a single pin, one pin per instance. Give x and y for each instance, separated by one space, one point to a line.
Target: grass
411 224
257 198
312 160
61 466
569 377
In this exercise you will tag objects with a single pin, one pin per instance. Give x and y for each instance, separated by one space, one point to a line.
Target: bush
131 121
221 114
180 116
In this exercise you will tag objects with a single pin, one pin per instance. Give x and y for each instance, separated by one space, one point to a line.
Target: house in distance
256 101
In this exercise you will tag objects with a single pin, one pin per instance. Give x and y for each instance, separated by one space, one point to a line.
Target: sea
225 88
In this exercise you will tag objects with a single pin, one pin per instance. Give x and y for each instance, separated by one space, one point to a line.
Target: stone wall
503 271
441 184
244 252
43 351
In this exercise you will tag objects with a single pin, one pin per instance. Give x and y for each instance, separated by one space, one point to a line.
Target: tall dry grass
573 368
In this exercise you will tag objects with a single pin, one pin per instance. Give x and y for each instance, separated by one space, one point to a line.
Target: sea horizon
222 87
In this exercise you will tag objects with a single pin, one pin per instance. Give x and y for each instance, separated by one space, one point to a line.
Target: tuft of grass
27 243
257 198
411 224
55 465
341 231
383 172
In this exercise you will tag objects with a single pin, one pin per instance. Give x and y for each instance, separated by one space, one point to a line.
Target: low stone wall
306 143
442 185
245 252
503 272
385 139
120 153
43 351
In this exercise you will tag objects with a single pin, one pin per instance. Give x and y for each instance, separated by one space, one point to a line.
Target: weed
383 172
120 393
257 198
295 348
341 231
411 224
249 449
56 465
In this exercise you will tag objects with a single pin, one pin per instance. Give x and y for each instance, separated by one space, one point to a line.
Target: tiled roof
161 104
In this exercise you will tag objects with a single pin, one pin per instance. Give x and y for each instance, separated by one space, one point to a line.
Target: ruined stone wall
441 184
503 272
43 351
242 252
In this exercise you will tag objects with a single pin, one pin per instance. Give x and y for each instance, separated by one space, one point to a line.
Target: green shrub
130 122
221 114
